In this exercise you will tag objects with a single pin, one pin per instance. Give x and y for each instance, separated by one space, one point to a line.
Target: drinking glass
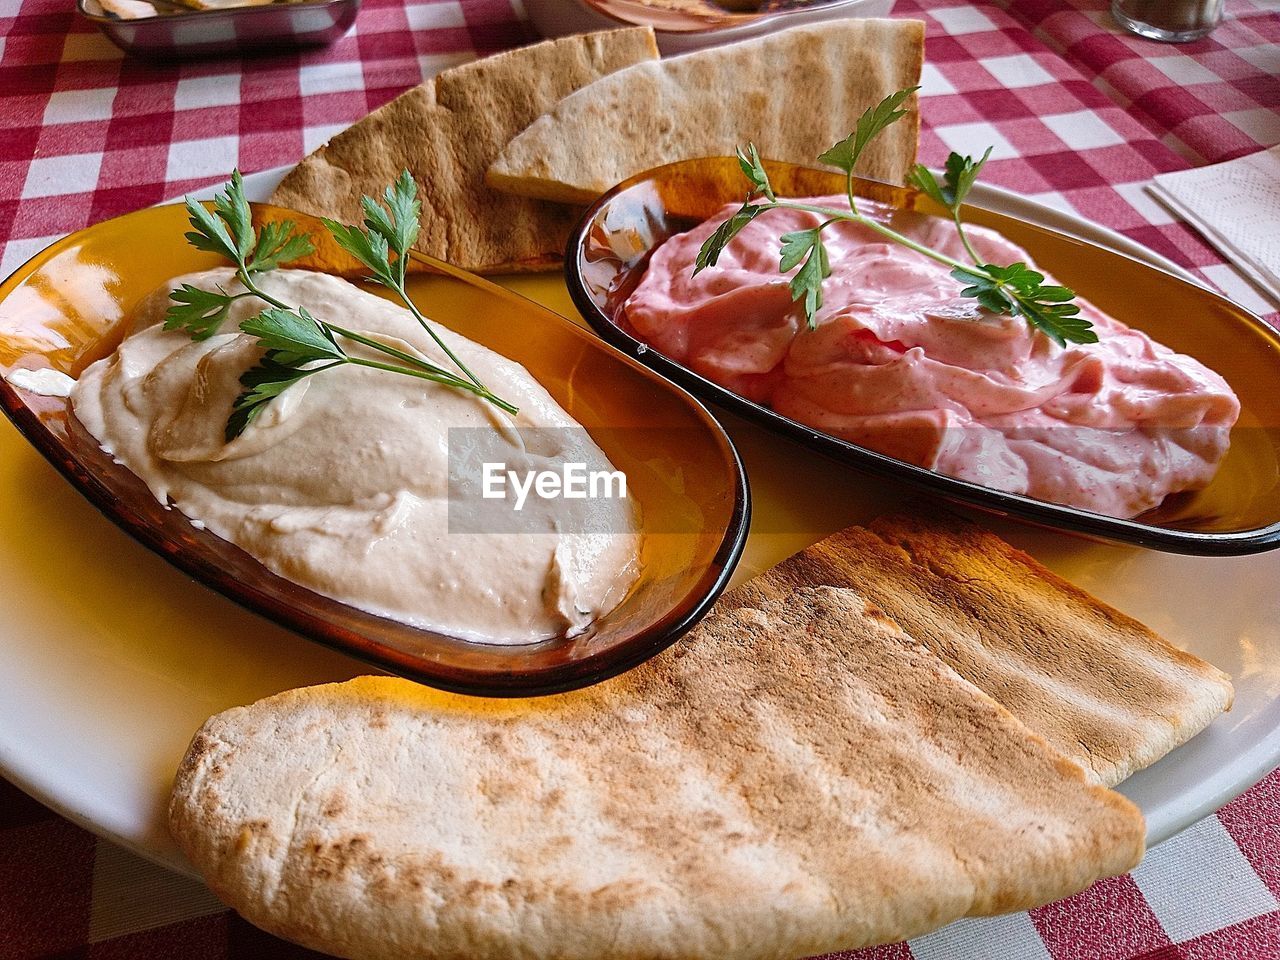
1173 21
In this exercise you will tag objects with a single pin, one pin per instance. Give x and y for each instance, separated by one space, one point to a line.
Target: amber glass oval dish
65 308
1237 513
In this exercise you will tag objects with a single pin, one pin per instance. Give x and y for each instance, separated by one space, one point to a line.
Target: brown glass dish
1238 513
66 307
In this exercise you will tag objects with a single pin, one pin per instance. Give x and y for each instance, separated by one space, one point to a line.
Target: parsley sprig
297 344
394 229
1016 289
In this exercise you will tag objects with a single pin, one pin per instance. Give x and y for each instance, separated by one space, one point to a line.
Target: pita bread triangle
1102 689
446 131
793 778
793 93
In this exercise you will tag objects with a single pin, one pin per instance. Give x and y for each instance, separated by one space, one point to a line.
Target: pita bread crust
446 131
710 103
788 780
1101 688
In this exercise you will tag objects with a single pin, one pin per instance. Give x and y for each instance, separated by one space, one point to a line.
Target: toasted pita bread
446 131
709 103
1100 687
789 780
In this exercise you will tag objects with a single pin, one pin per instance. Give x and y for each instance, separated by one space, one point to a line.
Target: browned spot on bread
249 832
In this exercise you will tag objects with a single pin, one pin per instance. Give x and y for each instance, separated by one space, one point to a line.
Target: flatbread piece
793 93
446 131
1101 688
788 780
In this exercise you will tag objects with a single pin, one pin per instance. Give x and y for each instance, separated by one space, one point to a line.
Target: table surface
1081 117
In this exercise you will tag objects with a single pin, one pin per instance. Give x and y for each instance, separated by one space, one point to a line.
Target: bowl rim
1017 506
500 681
730 22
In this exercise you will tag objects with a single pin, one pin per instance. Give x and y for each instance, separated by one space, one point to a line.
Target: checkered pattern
86 134
1074 110
1081 117
1215 99
1208 894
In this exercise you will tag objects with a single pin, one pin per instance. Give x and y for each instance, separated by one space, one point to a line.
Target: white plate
110 658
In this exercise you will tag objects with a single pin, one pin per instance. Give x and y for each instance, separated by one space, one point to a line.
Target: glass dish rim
1026 509
497 681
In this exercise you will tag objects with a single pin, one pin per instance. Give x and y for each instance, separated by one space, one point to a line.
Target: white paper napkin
1236 205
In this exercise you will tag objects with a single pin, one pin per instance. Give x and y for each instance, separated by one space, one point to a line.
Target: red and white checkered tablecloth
1081 117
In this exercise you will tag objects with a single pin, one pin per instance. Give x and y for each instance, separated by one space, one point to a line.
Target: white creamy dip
342 483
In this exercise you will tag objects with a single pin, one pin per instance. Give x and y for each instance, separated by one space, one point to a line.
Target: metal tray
200 33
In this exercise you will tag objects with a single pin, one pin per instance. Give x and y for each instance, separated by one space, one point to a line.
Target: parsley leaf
210 234
199 312
888 111
398 223
753 169
262 383
1059 321
1019 291
277 245
806 285
714 245
922 178
293 336
961 173
293 339
232 207
369 248
387 230
228 231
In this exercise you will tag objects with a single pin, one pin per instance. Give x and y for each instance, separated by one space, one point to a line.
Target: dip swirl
342 483
902 364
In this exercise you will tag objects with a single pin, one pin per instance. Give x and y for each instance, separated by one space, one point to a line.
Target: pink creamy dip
902 364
